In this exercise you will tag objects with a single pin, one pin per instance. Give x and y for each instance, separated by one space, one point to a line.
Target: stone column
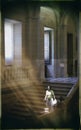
33 41
56 52
62 51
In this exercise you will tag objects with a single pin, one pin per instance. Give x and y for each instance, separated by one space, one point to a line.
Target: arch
68 19
48 16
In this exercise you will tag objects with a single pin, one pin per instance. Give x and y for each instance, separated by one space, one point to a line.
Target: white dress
49 99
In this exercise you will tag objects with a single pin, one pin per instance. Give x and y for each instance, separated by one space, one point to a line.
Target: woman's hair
49 87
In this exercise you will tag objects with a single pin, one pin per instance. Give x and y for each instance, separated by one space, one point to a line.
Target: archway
48 21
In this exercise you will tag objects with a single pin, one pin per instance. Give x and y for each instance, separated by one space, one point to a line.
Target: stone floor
72 80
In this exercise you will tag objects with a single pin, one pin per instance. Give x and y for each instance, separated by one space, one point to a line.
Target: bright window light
46 46
8 30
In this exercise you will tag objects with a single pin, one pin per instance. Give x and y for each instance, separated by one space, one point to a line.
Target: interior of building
39 47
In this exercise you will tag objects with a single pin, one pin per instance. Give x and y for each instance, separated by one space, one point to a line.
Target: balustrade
14 73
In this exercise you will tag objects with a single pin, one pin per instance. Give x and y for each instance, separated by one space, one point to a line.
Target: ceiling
76 4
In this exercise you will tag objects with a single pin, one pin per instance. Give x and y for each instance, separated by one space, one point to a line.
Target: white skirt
53 102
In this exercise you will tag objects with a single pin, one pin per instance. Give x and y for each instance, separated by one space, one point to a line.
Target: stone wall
63 22
34 18
28 15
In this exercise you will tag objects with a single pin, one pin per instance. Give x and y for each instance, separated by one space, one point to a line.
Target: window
8 43
13 41
47 45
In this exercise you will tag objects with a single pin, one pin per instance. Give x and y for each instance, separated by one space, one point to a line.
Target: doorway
70 54
49 52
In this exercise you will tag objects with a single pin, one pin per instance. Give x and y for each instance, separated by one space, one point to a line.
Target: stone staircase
60 86
66 114
23 100
60 89
22 104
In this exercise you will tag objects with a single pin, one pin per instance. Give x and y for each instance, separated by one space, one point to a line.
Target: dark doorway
70 54
48 51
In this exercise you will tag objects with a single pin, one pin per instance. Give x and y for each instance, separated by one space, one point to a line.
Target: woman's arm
45 96
52 93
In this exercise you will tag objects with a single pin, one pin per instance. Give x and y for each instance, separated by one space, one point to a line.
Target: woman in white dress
50 97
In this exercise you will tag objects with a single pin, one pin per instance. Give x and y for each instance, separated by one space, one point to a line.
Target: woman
50 97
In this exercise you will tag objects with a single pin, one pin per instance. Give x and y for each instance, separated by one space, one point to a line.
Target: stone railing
14 73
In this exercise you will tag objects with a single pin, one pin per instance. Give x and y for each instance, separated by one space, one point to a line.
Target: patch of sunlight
22 81
46 110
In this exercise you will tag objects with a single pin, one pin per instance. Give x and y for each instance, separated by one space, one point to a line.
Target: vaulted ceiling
66 4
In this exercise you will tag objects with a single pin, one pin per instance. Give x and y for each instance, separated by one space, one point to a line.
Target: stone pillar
61 47
62 51
33 45
56 61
